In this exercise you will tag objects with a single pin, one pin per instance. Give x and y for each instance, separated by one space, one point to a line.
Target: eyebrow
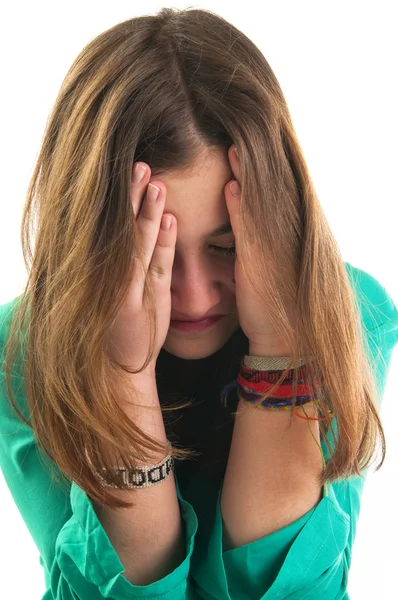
225 228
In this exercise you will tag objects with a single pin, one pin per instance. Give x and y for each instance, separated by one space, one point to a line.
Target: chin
195 347
191 351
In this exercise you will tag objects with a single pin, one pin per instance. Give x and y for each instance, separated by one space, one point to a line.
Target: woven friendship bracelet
258 375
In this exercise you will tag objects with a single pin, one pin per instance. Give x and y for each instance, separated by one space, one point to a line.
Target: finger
163 255
234 162
148 221
232 203
138 188
160 268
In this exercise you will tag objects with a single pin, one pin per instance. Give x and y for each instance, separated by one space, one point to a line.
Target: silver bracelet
141 477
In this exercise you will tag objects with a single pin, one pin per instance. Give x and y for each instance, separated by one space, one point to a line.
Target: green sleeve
76 553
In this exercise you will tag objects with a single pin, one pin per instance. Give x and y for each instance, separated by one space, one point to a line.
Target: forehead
195 196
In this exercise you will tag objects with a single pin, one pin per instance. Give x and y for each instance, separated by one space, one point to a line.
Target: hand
254 319
128 339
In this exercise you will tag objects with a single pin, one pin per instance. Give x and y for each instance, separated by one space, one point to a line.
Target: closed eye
230 250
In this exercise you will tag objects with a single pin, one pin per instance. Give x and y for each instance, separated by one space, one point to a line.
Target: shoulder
378 311
6 314
6 311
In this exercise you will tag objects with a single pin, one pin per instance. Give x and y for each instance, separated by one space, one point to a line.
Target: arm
270 479
148 537
312 555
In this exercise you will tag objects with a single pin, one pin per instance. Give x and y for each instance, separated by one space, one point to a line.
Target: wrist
280 350
141 388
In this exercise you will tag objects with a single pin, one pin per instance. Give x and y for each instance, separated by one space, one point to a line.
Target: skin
202 278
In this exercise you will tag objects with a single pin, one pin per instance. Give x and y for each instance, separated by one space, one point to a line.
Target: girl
196 402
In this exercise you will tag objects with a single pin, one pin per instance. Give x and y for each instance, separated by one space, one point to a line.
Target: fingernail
154 192
165 223
235 188
139 173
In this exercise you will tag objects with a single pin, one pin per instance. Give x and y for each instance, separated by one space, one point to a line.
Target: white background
337 65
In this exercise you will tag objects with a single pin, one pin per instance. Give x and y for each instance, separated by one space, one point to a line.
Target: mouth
195 325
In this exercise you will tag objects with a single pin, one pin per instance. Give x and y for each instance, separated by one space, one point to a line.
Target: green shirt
309 558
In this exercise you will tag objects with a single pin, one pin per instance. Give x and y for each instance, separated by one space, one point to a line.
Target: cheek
231 272
229 279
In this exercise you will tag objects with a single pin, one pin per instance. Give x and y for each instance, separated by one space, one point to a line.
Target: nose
196 288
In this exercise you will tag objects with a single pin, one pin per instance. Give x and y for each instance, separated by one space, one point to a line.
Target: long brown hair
162 89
